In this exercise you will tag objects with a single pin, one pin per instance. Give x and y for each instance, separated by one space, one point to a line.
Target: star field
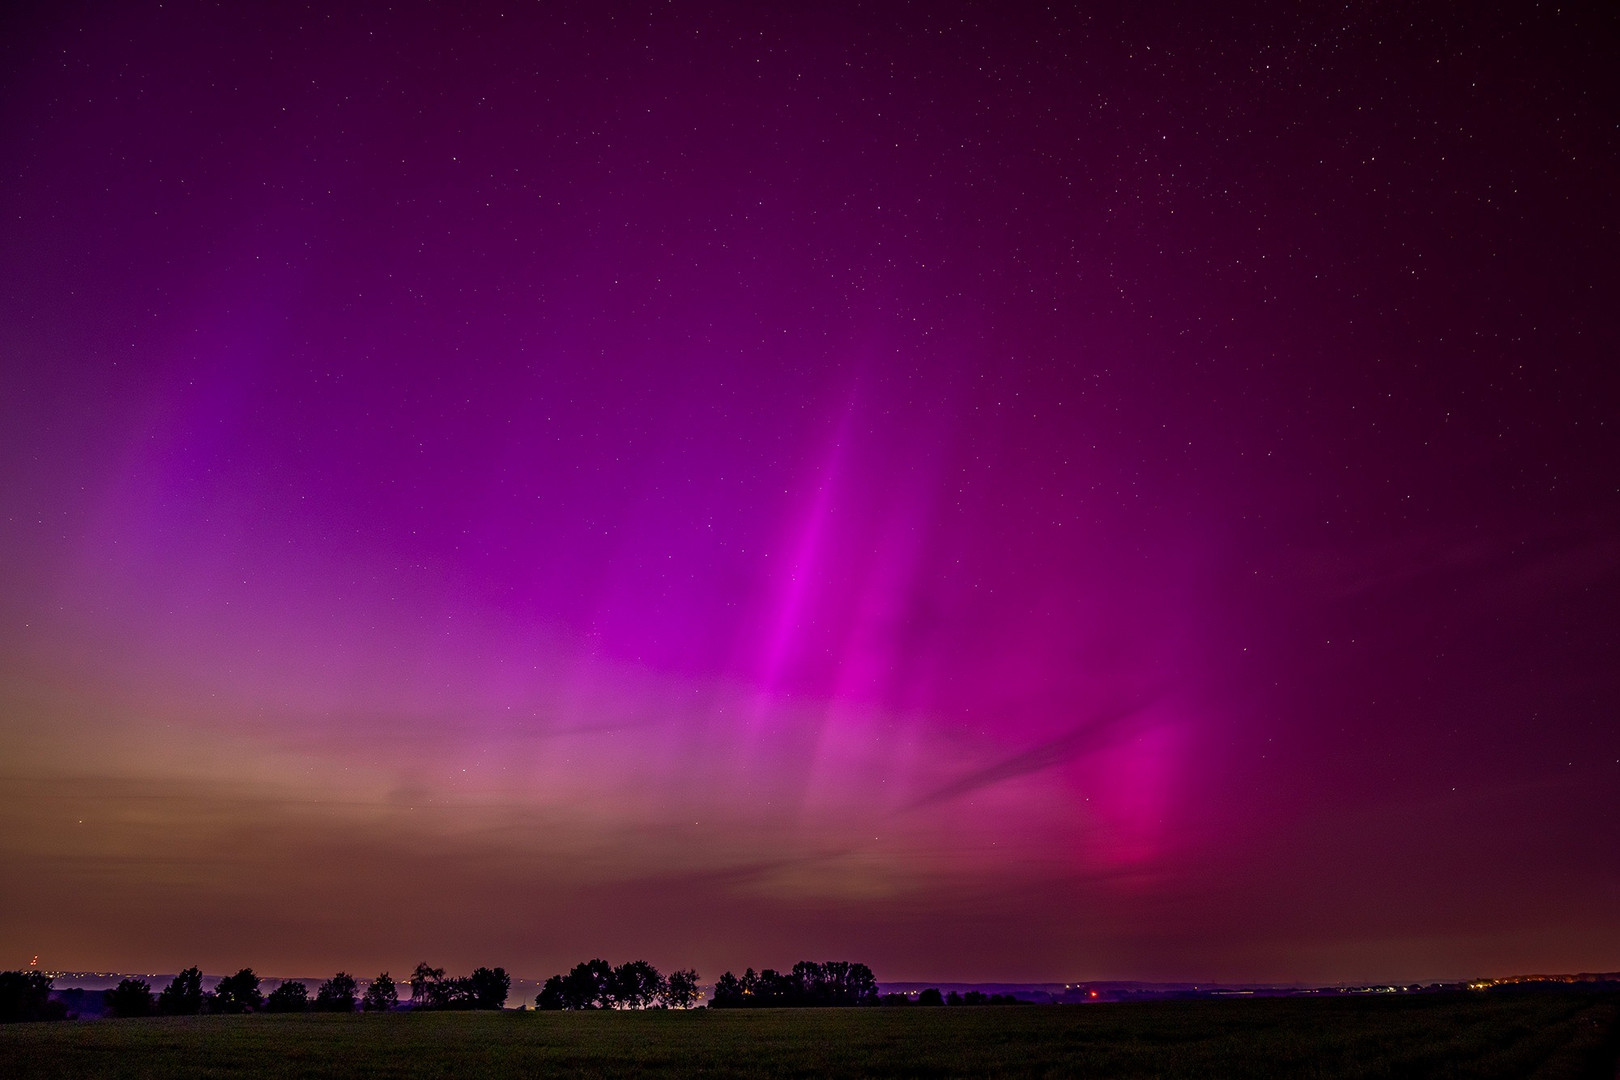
1046 493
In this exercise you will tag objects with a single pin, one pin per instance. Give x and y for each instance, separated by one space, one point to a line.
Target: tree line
596 984
25 995
837 982
241 993
485 988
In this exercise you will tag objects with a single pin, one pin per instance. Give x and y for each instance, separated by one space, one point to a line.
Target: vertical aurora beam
798 583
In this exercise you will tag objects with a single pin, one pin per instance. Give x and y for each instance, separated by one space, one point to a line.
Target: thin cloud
1088 738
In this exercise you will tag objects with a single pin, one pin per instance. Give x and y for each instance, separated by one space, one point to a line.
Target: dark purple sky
1116 491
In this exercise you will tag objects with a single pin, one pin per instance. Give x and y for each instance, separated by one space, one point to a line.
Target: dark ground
1466 1035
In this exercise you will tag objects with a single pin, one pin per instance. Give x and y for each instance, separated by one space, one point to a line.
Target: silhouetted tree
894 999
488 988
131 997
953 998
767 990
550 996
844 983
424 984
806 984
975 997
931 996
729 993
635 985
382 995
588 986
289 997
238 993
681 989
451 993
26 995
336 994
183 996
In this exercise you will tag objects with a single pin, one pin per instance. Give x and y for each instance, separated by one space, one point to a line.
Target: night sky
990 491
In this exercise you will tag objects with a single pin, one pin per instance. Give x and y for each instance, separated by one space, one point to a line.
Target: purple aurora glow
1116 494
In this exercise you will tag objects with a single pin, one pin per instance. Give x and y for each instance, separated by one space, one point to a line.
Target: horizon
1025 494
943 984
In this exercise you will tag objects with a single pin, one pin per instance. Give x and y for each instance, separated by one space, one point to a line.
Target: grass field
1487 1035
